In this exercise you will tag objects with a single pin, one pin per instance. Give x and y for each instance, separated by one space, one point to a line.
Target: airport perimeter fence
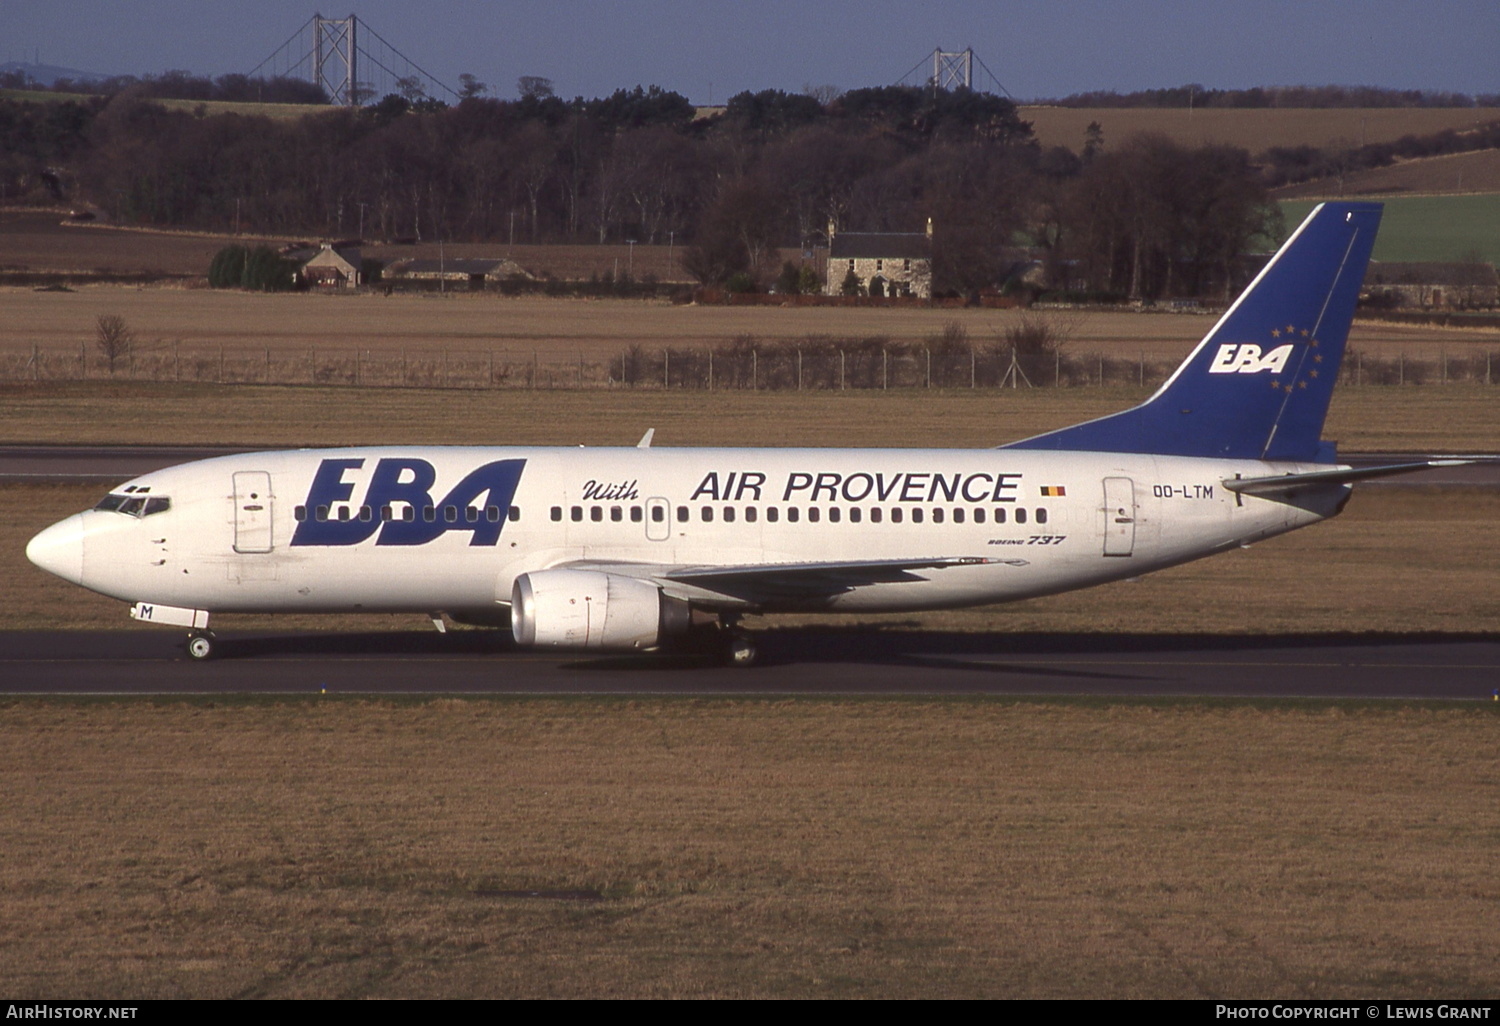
745 365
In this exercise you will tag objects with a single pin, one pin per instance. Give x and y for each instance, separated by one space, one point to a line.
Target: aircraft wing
1277 484
756 582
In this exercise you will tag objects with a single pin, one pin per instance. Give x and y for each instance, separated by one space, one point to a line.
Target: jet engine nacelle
589 609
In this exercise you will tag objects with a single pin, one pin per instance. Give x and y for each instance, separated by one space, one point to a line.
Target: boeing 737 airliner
633 549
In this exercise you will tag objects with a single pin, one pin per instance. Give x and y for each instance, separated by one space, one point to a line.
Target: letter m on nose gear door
1119 516
252 511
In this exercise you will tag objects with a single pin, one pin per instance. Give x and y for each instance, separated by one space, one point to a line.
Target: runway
112 464
831 662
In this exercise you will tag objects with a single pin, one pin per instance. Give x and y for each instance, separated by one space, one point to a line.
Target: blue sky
710 49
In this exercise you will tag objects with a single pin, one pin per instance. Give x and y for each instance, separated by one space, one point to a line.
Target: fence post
885 369
83 361
1056 368
710 370
972 368
841 370
799 368
1445 366
1101 370
221 363
754 370
666 369
929 365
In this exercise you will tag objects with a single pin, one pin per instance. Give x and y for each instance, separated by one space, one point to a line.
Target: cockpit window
135 505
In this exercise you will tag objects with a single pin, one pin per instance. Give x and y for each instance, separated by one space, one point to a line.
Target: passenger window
409 514
792 513
751 514
728 514
596 514
1021 515
773 514
366 514
958 516
616 514
875 515
658 514
429 514
1000 515
854 515
682 514
576 513
556 513
916 515
299 513
322 513
636 515
833 514
450 514
1041 516
813 514
343 512
471 514
896 514
979 515
385 512
707 514
937 515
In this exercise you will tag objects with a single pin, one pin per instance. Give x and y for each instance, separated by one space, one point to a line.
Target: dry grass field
747 848
247 324
1453 418
1254 129
45 241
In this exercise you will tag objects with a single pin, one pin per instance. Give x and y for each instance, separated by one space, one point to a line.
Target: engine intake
590 609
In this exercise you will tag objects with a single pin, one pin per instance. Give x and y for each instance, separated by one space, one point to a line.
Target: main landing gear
202 644
737 646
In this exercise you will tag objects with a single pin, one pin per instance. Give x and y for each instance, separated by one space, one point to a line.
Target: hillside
1255 129
1450 174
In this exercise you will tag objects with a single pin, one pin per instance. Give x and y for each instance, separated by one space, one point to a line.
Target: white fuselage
315 531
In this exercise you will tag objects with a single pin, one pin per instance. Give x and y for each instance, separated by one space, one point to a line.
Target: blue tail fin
1258 385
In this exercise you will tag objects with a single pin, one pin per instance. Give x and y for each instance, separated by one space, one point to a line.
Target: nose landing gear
202 644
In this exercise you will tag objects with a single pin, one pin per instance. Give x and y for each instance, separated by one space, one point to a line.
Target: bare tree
113 338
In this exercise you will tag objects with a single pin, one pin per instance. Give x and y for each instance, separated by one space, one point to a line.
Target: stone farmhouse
1434 285
882 263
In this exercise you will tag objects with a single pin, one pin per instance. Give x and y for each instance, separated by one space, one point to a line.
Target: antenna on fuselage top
645 442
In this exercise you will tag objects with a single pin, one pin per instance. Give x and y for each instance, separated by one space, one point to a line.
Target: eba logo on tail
1246 358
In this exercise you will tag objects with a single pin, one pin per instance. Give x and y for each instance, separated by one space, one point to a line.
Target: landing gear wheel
739 650
200 644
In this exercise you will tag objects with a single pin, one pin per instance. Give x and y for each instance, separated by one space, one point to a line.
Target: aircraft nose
59 549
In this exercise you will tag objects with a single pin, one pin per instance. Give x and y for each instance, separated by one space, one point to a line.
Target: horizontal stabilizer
1279 483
